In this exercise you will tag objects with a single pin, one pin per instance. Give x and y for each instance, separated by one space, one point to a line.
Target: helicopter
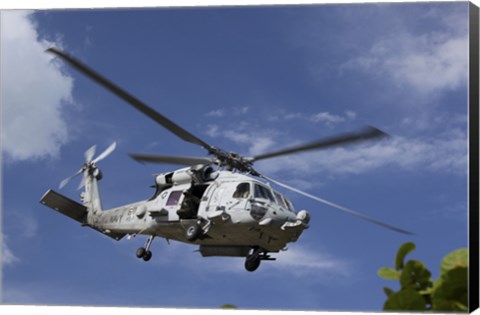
220 202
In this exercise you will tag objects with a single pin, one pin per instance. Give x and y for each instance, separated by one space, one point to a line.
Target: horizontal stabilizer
64 205
74 210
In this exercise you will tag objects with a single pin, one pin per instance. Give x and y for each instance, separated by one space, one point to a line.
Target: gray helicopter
220 203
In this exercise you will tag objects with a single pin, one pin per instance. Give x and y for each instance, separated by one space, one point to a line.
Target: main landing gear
252 261
144 252
196 231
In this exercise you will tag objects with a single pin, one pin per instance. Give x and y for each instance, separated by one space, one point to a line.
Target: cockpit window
289 204
263 193
280 200
242 191
174 198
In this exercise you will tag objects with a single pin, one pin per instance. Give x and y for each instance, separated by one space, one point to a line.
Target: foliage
418 292
229 306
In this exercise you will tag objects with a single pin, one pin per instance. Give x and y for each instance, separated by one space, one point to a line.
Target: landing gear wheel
147 255
144 252
251 264
193 232
140 252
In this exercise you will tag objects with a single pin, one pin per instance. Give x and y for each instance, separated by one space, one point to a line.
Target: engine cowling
198 174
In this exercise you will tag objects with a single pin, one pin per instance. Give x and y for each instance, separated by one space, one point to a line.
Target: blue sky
248 80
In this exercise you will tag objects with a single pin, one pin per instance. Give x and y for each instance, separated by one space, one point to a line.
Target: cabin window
242 191
263 193
174 198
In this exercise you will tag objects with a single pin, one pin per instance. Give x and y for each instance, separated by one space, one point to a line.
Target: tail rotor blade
89 162
106 153
82 183
64 182
344 209
90 153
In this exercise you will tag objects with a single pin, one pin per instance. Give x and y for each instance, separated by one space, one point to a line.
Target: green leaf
452 290
460 307
416 276
388 292
228 306
458 258
405 299
402 252
449 305
388 273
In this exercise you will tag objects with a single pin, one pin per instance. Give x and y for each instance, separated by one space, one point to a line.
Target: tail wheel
193 232
251 263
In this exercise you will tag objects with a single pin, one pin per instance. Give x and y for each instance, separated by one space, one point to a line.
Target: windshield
289 204
279 199
263 193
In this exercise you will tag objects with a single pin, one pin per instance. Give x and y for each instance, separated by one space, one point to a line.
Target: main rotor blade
182 160
106 152
130 99
349 211
362 135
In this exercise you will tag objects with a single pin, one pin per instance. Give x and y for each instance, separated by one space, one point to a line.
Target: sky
249 80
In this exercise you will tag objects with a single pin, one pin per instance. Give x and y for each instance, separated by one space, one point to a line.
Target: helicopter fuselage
233 210
225 213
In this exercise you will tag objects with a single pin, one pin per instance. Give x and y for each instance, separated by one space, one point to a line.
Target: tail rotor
90 164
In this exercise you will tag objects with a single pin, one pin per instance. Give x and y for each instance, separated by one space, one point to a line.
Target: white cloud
257 141
26 224
242 110
425 63
439 152
222 112
212 131
331 119
34 90
298 261
260 145
216 113
456 211
327 118
303 262
290 116
8 258
350 114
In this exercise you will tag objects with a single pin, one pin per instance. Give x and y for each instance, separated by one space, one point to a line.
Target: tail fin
91 195
91 175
